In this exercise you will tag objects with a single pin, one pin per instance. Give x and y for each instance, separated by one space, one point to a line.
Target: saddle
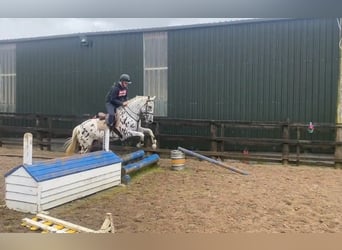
103 117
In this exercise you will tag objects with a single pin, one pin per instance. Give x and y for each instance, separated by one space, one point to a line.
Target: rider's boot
110 125
114 129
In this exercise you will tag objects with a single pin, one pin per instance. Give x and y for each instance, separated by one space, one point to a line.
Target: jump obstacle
35 187
134 161
43 185
49 224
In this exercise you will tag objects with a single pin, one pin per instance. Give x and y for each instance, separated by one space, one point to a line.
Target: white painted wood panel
21 189
22 206
77 196
21 197
72 186
69 179
80 189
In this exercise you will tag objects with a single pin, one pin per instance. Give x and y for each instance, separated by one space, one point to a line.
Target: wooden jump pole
132 156
62 226
149 160
221 164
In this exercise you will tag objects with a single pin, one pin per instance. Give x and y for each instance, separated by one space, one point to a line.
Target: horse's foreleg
150 133
141 136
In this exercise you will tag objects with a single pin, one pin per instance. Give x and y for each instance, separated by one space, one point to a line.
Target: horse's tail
71 144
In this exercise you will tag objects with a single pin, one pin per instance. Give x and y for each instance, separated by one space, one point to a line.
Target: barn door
7 78
155 69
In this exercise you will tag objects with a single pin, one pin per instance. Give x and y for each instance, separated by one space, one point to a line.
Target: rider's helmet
126 78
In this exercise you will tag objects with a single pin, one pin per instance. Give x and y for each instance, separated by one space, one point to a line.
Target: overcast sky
11 28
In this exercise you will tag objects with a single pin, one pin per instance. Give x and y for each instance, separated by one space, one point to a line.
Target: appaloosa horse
128 124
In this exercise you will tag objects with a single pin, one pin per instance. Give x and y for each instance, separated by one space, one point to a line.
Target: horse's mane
136 98
133 103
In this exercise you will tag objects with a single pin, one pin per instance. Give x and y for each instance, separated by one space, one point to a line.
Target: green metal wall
261 71
59 76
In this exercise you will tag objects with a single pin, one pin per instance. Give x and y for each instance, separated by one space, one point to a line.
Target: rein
131 113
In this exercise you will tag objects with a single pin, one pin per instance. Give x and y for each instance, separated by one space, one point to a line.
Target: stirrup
115 130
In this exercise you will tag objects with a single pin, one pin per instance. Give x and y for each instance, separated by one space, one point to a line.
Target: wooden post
38 133
222 135
298 146
49 134
157 132
213 131
286 134
338 148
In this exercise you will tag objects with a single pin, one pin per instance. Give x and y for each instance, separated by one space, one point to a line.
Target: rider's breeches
111 113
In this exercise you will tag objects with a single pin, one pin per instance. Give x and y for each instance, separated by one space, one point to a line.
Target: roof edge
142 30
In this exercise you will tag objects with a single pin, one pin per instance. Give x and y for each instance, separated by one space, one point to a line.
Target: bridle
136 116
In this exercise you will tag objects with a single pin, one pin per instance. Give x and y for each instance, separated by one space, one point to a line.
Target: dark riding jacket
117 95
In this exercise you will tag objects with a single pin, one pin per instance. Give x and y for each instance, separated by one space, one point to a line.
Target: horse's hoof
154 146
139 145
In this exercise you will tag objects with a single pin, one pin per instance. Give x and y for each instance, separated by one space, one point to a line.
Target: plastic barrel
177 160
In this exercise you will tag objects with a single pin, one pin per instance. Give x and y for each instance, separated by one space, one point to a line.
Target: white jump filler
43 185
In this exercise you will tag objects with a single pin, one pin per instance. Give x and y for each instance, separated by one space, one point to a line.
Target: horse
127 125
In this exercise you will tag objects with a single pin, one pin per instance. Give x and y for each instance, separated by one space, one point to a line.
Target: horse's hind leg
85 145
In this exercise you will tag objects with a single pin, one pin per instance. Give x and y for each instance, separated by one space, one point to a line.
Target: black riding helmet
126 78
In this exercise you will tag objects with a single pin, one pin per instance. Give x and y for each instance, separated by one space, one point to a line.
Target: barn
255 70
44 185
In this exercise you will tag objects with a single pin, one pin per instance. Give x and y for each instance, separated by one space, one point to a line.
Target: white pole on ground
105 145
186 151
27 156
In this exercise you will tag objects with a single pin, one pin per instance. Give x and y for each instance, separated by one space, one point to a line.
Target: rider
116 97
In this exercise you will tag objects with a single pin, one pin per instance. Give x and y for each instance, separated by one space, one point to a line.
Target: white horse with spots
128 125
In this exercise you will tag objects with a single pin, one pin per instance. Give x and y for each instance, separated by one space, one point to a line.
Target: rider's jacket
117 95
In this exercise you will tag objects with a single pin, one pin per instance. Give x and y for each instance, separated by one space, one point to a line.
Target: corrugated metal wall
262 71
59 76
267 71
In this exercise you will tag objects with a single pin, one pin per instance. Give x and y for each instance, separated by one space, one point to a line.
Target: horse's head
147 109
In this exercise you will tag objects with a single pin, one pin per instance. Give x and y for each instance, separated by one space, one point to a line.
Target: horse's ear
151 98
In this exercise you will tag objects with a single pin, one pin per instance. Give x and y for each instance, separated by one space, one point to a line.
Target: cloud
12 28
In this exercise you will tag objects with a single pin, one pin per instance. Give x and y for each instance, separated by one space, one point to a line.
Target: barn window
7 78
155 69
